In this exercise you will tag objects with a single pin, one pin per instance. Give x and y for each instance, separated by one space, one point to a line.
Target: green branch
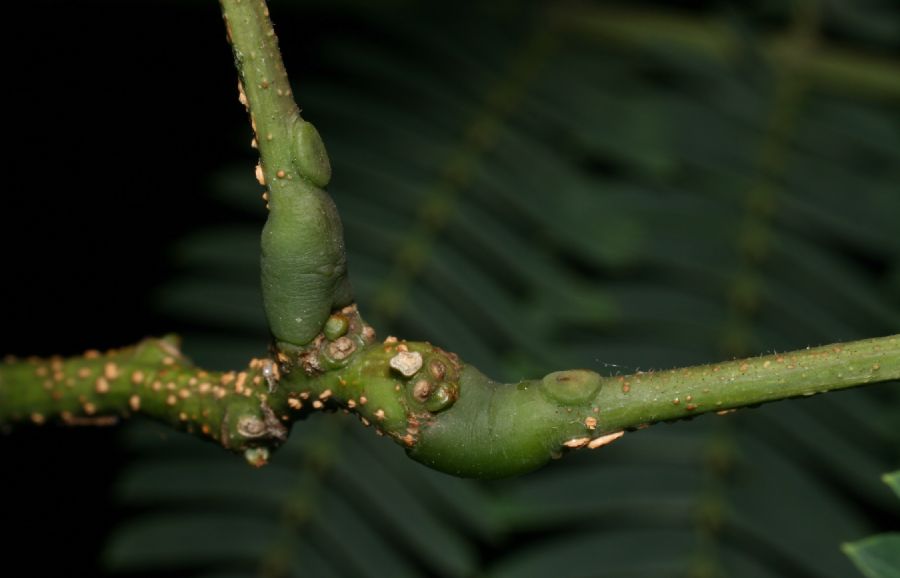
453 418
445 413
304 265
153 378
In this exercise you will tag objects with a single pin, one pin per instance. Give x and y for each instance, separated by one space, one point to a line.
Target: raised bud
442 397
310 157
336 326
573 387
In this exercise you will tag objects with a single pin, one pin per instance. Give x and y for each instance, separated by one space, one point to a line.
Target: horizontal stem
497 430
445 413
152 378
645 397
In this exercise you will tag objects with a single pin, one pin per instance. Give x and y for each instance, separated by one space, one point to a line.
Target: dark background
116 113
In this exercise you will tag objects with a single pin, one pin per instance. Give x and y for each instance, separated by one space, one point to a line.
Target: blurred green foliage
878 556
546 185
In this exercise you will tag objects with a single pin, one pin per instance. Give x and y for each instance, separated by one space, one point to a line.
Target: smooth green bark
496 429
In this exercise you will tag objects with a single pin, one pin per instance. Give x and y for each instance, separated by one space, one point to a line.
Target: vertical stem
304 265
263 85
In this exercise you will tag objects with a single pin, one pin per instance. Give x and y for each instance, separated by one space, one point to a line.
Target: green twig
444 412
151 378
304 265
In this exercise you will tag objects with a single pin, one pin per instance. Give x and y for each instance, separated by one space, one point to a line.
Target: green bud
442 397
310 157
336 326
572 387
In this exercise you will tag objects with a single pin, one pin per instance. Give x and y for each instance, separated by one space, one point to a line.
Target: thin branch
151 378
303 264
444 412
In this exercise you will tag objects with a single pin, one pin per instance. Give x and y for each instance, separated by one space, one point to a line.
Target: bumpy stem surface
234 409
445 413
304 266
